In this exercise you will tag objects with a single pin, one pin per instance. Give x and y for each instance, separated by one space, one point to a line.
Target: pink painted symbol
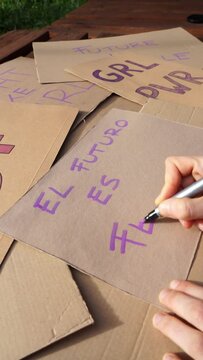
5 148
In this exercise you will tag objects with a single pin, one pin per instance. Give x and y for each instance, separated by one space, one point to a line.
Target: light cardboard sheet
139 78
88 209
168 45
123 324
18 83
30 139
39 302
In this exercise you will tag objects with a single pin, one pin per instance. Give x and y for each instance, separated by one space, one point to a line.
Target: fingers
175 169
186 306
185 299
189 339
171 357
182 209
188 288
180 171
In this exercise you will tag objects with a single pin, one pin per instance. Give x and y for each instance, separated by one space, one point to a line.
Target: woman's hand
180 172
185 300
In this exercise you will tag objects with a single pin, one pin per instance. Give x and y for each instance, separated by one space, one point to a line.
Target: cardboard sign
39 302
18 83
168 45
29 134
139 78
119 315
88 209
30 139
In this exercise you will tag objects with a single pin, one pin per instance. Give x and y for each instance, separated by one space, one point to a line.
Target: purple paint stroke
106 144
115 181
63 96
78 167
178 88
123 238
96 196
44 207
112 132
147 228
111 48
63 195
177 56
12 72
20 91
91 153
6 80
124 122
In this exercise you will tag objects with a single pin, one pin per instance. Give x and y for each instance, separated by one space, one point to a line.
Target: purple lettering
57 94
96 196
63 195
121 123
124 69
112 132
78 167
142 226
81 49
91 153
108 143
114 77
94 50
147 91
122 47
149 43
1 180
177 89
20 91
183 75
182 55
116 182
44 207
3 81
123 238
145 67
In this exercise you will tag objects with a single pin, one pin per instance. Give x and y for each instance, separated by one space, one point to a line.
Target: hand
185 300
179 173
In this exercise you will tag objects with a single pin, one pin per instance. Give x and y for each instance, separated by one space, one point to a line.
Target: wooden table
98 18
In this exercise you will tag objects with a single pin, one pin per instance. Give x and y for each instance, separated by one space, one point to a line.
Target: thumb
182 209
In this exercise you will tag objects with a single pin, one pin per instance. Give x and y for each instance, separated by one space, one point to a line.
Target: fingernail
157 200
200 226
169 357
165 207
163 294
157 318
174 284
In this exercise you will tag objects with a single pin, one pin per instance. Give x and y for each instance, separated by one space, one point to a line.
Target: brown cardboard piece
114 101
89 178
138 78
123 324
169 45
39 302
36 133
29 133
18 83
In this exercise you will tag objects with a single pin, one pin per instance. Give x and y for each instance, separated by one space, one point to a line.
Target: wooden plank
19 44
145 15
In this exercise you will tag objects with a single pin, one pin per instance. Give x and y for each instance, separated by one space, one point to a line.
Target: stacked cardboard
40 301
